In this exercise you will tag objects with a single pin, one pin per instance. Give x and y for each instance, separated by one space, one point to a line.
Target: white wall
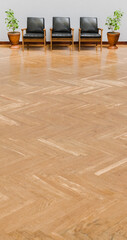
72 8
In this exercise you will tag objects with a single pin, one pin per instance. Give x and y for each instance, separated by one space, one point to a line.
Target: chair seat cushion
90 35
61 35
34 35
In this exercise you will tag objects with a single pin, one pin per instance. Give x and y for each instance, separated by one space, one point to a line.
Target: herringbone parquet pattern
63 144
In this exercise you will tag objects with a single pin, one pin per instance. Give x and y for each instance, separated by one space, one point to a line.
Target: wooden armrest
79 29
51 32
23 29
72 29
100 29
44 31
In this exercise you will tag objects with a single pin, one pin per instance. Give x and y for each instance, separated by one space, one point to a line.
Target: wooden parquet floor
63 144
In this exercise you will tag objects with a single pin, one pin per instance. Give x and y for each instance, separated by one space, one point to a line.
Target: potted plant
113 24
12 24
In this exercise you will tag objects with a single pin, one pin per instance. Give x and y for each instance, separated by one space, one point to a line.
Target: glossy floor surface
63 144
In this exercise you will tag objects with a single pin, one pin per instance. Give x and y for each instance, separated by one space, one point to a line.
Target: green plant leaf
114 22
11 22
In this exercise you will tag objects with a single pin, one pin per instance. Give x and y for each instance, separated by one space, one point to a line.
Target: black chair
35 31
89 31
61 31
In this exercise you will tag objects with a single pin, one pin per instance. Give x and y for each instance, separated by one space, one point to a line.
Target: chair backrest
35 25
61 24
89 24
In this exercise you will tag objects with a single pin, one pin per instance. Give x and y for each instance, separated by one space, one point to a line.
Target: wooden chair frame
91 40
33 40
62 40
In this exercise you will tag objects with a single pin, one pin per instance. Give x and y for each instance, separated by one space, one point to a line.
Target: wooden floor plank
63 144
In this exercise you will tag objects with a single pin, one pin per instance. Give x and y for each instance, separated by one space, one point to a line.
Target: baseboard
76 43
119 43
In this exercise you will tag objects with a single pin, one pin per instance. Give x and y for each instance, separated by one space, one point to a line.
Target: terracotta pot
14 39
113 38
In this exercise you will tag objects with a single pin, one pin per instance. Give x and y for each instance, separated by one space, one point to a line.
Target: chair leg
72 44
45 46
101 44
51 43
45 42
96 46
79 45
22 44
27 46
